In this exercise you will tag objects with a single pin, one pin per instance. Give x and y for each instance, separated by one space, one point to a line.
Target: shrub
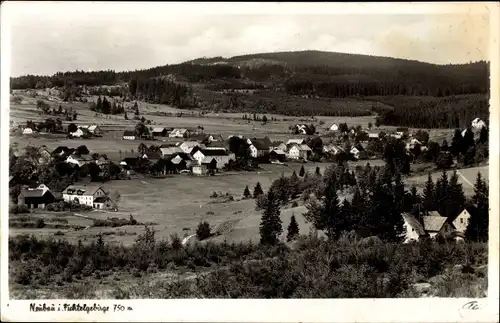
39 223
295 204
203 231
16 209
59 233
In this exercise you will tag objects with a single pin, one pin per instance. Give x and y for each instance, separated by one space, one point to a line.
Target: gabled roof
182 130
414 223
214 152
102 199
184 156
278 152
434 213
433 223
208 160
37 192
81 157
296 141
304 147
170 150
152 155
261 143
87 189
129 133
158 129
60 149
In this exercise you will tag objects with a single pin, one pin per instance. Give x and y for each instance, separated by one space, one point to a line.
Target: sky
49 37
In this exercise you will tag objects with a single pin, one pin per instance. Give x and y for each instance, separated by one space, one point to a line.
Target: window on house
461 220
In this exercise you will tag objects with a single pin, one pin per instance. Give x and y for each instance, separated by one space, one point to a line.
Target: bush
295 204
16 209
39 223
203 231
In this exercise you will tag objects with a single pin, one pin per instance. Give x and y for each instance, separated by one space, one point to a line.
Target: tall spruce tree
246 193
302 171
442 193
478 226
456 143
455 197
293 229
270 225
331 215
429 195
257 190
318 173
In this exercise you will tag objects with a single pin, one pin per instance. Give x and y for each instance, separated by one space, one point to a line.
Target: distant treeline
432 112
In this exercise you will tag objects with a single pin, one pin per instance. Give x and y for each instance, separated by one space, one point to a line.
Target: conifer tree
456 143
293 185
257 190
429 197
318 173
302 171
477 228
455 197
483 135
442 193
246 193
293 229
270 225
331 215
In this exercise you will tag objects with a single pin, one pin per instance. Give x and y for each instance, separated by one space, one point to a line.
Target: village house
170 151
159 132
413 229
45 155
152 156
278 145
221 156
128 135
83 194
93 129
187 146
35 198
297 151
259 147
302 129
331 149
355 152
435 224
334 127
462 221
200 169
104 203
210 164
28 131
129 162
298 141
79 160
373 135
402 131
179 133
277 156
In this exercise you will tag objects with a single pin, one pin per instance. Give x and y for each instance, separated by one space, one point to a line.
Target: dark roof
34 193
261 143
101 199
153 155
169 145
59 149
128 133
214 152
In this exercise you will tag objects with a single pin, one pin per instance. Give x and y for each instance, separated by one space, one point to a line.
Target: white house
83 194
299 151
199 169
331 149
187 146
79 160
221 156
462 221
373 135
78 133
93 129
413 229
334 127
355 152
178 133
27 131
302 128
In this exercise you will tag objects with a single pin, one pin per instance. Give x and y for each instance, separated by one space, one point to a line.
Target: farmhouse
83 194
179 133
277 155
35 198
28 131
187 146
159 132
221 156
170 151
79 160
331 149
93 129
334 127
413 229
128 135
104 203
462 220
299 152
259 147
298 141
435 224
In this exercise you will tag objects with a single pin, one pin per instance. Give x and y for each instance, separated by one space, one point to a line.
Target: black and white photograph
161 151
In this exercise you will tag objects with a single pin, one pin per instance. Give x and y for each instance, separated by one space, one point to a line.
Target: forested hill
324 74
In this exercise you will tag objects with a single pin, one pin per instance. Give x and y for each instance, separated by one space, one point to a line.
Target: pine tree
98 106
293 185
468 140
318 173
270 225
293 229
429 195
331 215
455 197
302 171
246 193
478 226
257 190
442 193
456 143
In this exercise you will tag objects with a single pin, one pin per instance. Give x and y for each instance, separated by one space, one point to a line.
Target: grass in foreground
312 268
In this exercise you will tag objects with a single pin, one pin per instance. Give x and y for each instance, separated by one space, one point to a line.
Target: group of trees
447 112
105 106
379 198
45 108
161 90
